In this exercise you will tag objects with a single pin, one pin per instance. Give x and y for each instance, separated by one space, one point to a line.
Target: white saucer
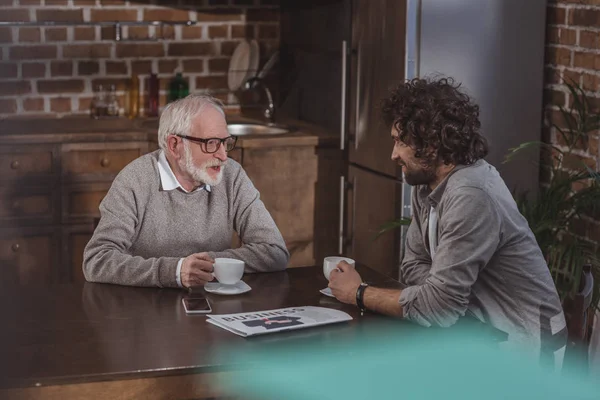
219 288
327 292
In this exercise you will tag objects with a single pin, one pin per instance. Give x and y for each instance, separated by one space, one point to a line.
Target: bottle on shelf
178 88
134 97
152 96
98 107
112 103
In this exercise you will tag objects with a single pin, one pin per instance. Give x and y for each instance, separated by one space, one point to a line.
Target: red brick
584 60
85 68
193 65
552 35
30 35
61 86
262 15
29 2
54 2
112 2
554 97
558 56
120 83
61 15
571 76
591 82
140 50
243 2
6 35
84 33
584 17
272 32
15 15
107 33
211 82
138 32
217 31
220 15
60 104
33 104
166 32
141 67
551 75
191 32
589 39
9 88
116 68
32 52
227 48
61 68
113 14
8 106
56 34
188 49
218 65
241 31
166 14
568 36
556 15
33 70
85 103
86 51
78 3
575 162
168 66
8 70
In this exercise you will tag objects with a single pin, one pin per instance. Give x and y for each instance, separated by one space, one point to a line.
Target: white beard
200 174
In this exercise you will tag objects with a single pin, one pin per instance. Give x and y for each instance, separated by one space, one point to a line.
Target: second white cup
228 271
330 263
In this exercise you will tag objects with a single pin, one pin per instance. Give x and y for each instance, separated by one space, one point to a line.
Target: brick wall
52 71
573 52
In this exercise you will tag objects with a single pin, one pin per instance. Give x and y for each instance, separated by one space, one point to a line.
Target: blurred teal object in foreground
380 364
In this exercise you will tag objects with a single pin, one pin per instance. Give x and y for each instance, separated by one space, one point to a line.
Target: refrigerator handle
344 72
342 213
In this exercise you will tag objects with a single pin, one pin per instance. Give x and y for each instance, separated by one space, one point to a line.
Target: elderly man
468 249
169 213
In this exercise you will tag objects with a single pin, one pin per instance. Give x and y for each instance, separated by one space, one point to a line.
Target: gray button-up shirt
487 262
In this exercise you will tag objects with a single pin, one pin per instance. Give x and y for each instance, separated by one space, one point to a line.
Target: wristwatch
359 297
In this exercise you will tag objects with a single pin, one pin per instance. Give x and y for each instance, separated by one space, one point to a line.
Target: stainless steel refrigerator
495 48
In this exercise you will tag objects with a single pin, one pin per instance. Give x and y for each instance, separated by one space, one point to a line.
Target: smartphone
196 305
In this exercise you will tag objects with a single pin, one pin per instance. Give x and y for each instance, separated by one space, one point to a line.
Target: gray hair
177 116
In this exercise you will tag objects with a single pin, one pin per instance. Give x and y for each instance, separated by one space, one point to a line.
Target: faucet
269 112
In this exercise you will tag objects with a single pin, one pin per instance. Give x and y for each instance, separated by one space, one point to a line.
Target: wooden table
108 341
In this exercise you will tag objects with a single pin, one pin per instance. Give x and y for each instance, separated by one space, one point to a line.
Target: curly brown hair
437 120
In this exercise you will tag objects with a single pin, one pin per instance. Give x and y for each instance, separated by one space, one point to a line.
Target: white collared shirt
169 182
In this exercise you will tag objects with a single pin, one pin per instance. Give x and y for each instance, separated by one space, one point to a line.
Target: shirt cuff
409 311
178 273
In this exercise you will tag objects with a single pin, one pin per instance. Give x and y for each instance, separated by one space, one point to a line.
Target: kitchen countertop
84 129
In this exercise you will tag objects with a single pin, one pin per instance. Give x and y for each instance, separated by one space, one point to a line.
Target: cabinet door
98 161
75 238
28 257
81 202
285 178
28 163
28 205
373 200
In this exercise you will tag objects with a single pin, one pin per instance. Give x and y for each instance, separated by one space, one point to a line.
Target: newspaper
282 319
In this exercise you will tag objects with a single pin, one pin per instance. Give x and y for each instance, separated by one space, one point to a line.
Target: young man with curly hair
468 249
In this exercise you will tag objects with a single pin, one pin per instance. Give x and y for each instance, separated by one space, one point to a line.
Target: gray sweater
144 231
487 262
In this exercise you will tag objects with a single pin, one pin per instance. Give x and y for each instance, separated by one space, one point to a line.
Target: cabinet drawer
35 203
81 202
99 159
27 259
24 163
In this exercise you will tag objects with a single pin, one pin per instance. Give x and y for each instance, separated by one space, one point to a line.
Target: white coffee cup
228 271
331 263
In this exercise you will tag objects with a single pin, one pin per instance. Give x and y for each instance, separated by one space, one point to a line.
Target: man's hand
196 270
344 283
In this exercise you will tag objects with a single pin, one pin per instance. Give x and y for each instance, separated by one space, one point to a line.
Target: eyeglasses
212 145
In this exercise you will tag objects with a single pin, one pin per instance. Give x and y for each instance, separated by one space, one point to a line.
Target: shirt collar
167 177
435 196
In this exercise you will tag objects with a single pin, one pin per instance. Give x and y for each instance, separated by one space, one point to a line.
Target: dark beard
422 175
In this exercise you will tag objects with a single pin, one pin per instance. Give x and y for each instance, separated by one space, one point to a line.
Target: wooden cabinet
51 186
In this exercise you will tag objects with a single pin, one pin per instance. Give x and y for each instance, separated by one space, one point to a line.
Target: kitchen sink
243 129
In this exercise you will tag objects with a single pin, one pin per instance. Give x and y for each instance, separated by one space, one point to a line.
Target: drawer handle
15 247
15 165
105 162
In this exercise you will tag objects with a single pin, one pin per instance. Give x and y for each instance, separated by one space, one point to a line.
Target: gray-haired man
169 213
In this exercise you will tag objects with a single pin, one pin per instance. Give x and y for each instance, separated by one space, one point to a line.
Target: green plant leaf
392 225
